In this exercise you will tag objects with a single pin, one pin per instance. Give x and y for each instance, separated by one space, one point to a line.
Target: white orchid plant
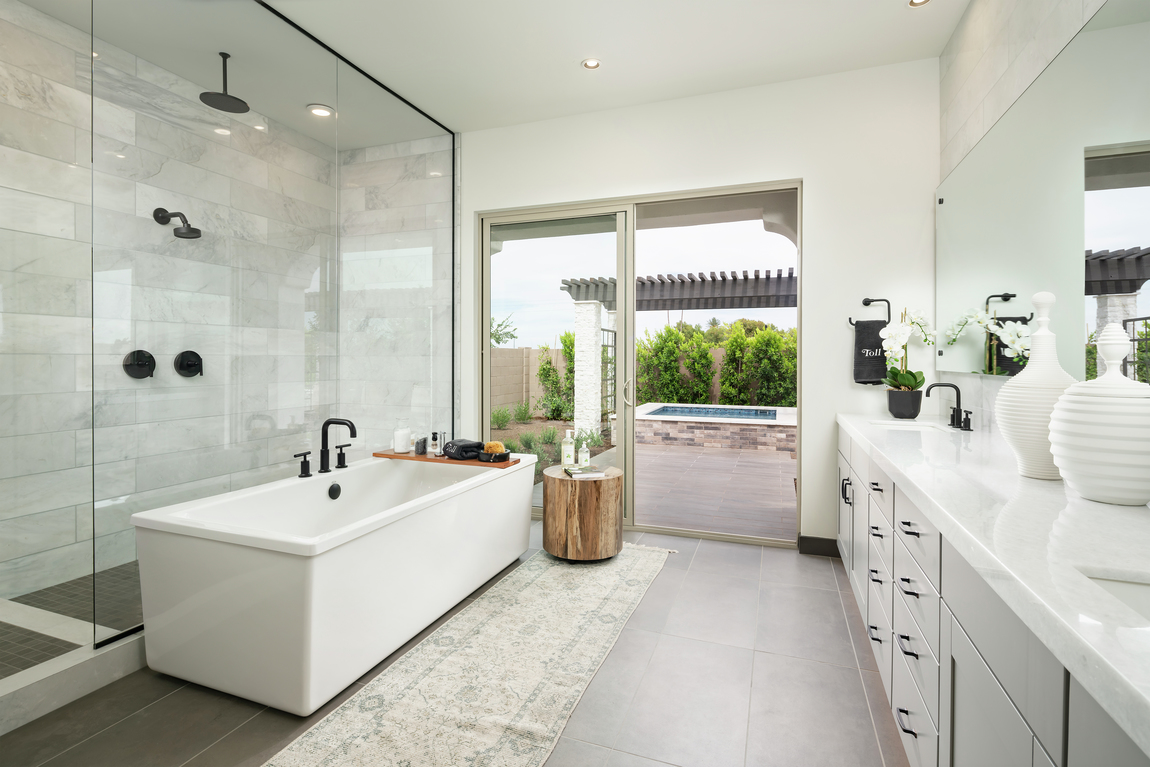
1013 337
896 338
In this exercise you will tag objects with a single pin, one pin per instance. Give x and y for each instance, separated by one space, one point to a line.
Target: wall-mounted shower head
185 232
222 101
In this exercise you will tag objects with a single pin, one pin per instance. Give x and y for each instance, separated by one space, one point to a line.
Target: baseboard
54 683
819 547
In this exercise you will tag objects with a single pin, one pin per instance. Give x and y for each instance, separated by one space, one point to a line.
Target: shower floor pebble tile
652 704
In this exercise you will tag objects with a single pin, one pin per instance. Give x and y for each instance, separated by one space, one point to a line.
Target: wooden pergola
1110 272
699 290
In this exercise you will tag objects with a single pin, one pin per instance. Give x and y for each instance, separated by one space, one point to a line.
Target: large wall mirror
1056 197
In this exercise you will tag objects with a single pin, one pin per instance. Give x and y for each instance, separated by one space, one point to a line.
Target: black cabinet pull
874 573
873 638
875 531
899 639
843 491
876 487
898 712
906 524
908 592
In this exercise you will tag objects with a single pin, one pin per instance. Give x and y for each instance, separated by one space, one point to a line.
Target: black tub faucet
324 453
956 419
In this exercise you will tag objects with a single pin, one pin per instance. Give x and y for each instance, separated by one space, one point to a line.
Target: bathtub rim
164 518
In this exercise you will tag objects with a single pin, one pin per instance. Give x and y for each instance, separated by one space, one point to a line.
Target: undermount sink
910 425
1134 595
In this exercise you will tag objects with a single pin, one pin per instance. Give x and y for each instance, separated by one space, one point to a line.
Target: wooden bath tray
444 459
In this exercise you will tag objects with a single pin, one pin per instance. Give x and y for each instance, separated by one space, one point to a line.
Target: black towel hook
868 302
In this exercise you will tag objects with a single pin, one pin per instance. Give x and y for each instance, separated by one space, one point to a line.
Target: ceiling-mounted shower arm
225 57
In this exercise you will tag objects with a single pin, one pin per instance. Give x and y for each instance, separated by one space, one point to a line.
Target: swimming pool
703 411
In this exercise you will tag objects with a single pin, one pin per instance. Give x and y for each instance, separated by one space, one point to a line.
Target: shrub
548 436
770 367
500 418
528 440
588 437
733 388
511 445
558 400
523 412
701 368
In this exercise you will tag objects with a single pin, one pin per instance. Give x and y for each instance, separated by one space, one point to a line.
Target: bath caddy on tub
445 459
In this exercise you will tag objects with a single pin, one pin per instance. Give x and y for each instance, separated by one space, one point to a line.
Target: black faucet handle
341 459
966 421
304 465
955 417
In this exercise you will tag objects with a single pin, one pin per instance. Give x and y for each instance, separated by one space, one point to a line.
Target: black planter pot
904 404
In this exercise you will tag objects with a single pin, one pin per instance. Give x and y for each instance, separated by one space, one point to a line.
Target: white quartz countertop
1037 544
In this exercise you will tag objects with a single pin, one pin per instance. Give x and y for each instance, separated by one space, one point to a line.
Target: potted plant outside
904 392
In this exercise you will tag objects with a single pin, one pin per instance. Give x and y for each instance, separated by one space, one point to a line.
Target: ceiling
475 65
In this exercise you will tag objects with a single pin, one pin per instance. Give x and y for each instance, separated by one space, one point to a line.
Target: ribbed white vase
1026 401
1100 431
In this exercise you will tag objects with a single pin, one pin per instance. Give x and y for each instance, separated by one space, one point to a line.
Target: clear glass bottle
584 455
568 445
401 439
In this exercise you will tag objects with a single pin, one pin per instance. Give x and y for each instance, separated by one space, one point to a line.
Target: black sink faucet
956 411
324 453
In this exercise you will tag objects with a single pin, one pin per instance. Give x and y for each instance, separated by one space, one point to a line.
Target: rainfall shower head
222 101
185 232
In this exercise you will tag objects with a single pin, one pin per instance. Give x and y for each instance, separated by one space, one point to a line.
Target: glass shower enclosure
143 365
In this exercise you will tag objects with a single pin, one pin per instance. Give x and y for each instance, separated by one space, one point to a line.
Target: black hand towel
463 449
870 362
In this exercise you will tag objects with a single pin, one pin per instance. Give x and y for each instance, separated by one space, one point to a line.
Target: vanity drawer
860 463
882 490
919 736
918 595
879 632
920 537
882 536
916 653
881 583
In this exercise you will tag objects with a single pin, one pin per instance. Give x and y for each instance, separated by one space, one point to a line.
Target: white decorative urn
1025 402
1100 431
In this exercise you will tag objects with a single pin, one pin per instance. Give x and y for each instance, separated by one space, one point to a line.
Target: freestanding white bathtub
283 596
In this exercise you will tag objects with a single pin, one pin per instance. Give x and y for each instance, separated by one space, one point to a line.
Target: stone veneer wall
737 436
250 296
396 290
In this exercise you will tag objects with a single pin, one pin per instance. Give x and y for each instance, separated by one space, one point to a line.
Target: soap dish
494 457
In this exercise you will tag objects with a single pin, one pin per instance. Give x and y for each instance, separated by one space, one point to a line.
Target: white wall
866 147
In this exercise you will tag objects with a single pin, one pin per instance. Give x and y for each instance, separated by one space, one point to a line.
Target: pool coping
784 416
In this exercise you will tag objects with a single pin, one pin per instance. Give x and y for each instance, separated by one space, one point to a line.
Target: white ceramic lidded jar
1100 431
1025 402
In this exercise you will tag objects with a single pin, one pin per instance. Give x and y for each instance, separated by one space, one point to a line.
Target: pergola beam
684 292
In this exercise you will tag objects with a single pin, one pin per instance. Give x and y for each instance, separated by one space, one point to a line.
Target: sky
1117 219
526 274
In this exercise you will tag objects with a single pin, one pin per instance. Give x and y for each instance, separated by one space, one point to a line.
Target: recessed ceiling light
591 63
223 131
918 3
94 54
435 173
120 156
261 127
319 110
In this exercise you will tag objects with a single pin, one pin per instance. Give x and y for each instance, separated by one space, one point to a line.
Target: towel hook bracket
868 302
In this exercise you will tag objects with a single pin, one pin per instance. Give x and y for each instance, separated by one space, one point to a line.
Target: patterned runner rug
495 685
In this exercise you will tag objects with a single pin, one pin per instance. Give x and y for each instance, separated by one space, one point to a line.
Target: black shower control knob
139 364
189 364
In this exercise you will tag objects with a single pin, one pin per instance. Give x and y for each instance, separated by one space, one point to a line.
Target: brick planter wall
736 436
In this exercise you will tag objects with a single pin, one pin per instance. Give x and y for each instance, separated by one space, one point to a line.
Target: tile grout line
226 734
754 649
113 724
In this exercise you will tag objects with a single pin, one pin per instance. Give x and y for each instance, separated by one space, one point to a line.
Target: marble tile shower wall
396 290
250 296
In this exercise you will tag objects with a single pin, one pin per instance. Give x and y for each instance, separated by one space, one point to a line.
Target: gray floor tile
804 623
632 536
652 612
789 566
864 650
841 578
623 759
165 734
685 548
691 708
889 740
736 560
264 735
536 534
599 714
575 753
809 713
47 736
716 608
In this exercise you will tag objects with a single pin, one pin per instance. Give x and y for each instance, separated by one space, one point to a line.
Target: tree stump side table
582 518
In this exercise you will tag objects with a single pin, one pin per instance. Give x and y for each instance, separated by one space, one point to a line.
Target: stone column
588 366
612 421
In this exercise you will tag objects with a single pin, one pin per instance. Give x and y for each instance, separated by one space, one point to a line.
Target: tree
502 332
733 389
770 367
700 366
